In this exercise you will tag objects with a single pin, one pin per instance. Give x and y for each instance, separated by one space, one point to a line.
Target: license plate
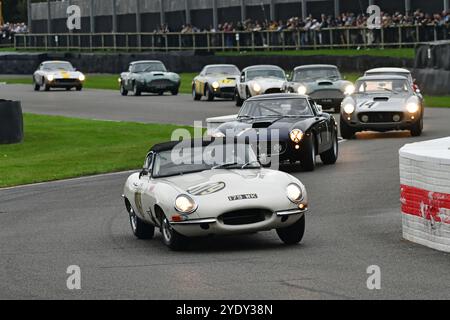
243 197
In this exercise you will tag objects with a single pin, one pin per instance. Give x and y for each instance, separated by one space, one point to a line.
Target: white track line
69 180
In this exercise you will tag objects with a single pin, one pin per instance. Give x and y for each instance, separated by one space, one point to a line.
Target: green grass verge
408 53
109 82
58 147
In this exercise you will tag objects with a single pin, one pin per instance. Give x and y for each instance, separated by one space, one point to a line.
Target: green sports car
149 76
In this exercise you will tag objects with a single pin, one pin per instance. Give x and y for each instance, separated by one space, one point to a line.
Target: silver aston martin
201 188
382 103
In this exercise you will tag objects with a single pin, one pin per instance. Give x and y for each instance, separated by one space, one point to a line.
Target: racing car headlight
119 80
294 193
296 135
215 85
257 87
302 90
82 77
349 90
185 204
349 108
412 107
50 77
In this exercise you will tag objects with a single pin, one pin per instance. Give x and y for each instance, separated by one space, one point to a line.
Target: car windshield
375 86
65 66
403 74
316 73
190 159
229 70
265 73
293 107
148 67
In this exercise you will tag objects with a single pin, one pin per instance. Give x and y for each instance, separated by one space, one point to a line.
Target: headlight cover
349 108
256 87
215 85
349 90
296 135
294 193
302 90
185 204
82 77
50 77
412 107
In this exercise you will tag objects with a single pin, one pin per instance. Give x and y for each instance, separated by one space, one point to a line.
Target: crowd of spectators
8 30
298 31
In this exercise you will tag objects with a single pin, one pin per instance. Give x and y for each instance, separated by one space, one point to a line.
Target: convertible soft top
168 146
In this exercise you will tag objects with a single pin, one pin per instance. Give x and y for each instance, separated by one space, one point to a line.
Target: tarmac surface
354 222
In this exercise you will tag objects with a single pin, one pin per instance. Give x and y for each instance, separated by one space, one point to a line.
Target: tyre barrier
425 193
11 122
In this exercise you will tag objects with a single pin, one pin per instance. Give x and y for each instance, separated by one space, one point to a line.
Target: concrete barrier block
425 193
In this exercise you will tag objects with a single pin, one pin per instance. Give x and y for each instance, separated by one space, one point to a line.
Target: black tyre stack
11 122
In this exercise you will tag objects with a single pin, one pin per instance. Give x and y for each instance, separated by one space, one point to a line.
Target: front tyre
209 94
308 157
140 229
136 91
37 87
174 92
417 128
171 238
330 156
293 234
238 99
123 91
195 96
347 132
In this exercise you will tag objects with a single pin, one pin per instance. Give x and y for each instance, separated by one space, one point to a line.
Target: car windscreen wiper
226 165
248 164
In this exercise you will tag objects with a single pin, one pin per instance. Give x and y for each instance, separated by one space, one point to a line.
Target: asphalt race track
354 222
110 105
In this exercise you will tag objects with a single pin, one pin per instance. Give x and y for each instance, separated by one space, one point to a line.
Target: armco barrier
425 193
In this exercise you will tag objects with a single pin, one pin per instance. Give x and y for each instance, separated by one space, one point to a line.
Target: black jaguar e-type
293 127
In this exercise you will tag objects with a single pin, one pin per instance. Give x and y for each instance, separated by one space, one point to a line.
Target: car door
147 196
199 83
127 78
322 128
39 75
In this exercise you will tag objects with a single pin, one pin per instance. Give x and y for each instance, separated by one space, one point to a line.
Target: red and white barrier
425 193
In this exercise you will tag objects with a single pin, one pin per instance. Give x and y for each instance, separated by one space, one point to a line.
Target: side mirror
344 77
144 172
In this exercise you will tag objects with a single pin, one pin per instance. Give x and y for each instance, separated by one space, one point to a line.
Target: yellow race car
57 74
215 81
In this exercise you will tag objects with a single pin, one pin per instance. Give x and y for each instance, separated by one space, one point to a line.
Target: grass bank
58 147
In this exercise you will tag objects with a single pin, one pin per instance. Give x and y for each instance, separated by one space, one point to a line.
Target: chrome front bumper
213 226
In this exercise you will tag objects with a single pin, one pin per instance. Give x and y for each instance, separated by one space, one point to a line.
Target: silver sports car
323 83
258 80
382 103
200 188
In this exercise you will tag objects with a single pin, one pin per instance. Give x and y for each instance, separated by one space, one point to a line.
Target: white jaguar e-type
200 188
